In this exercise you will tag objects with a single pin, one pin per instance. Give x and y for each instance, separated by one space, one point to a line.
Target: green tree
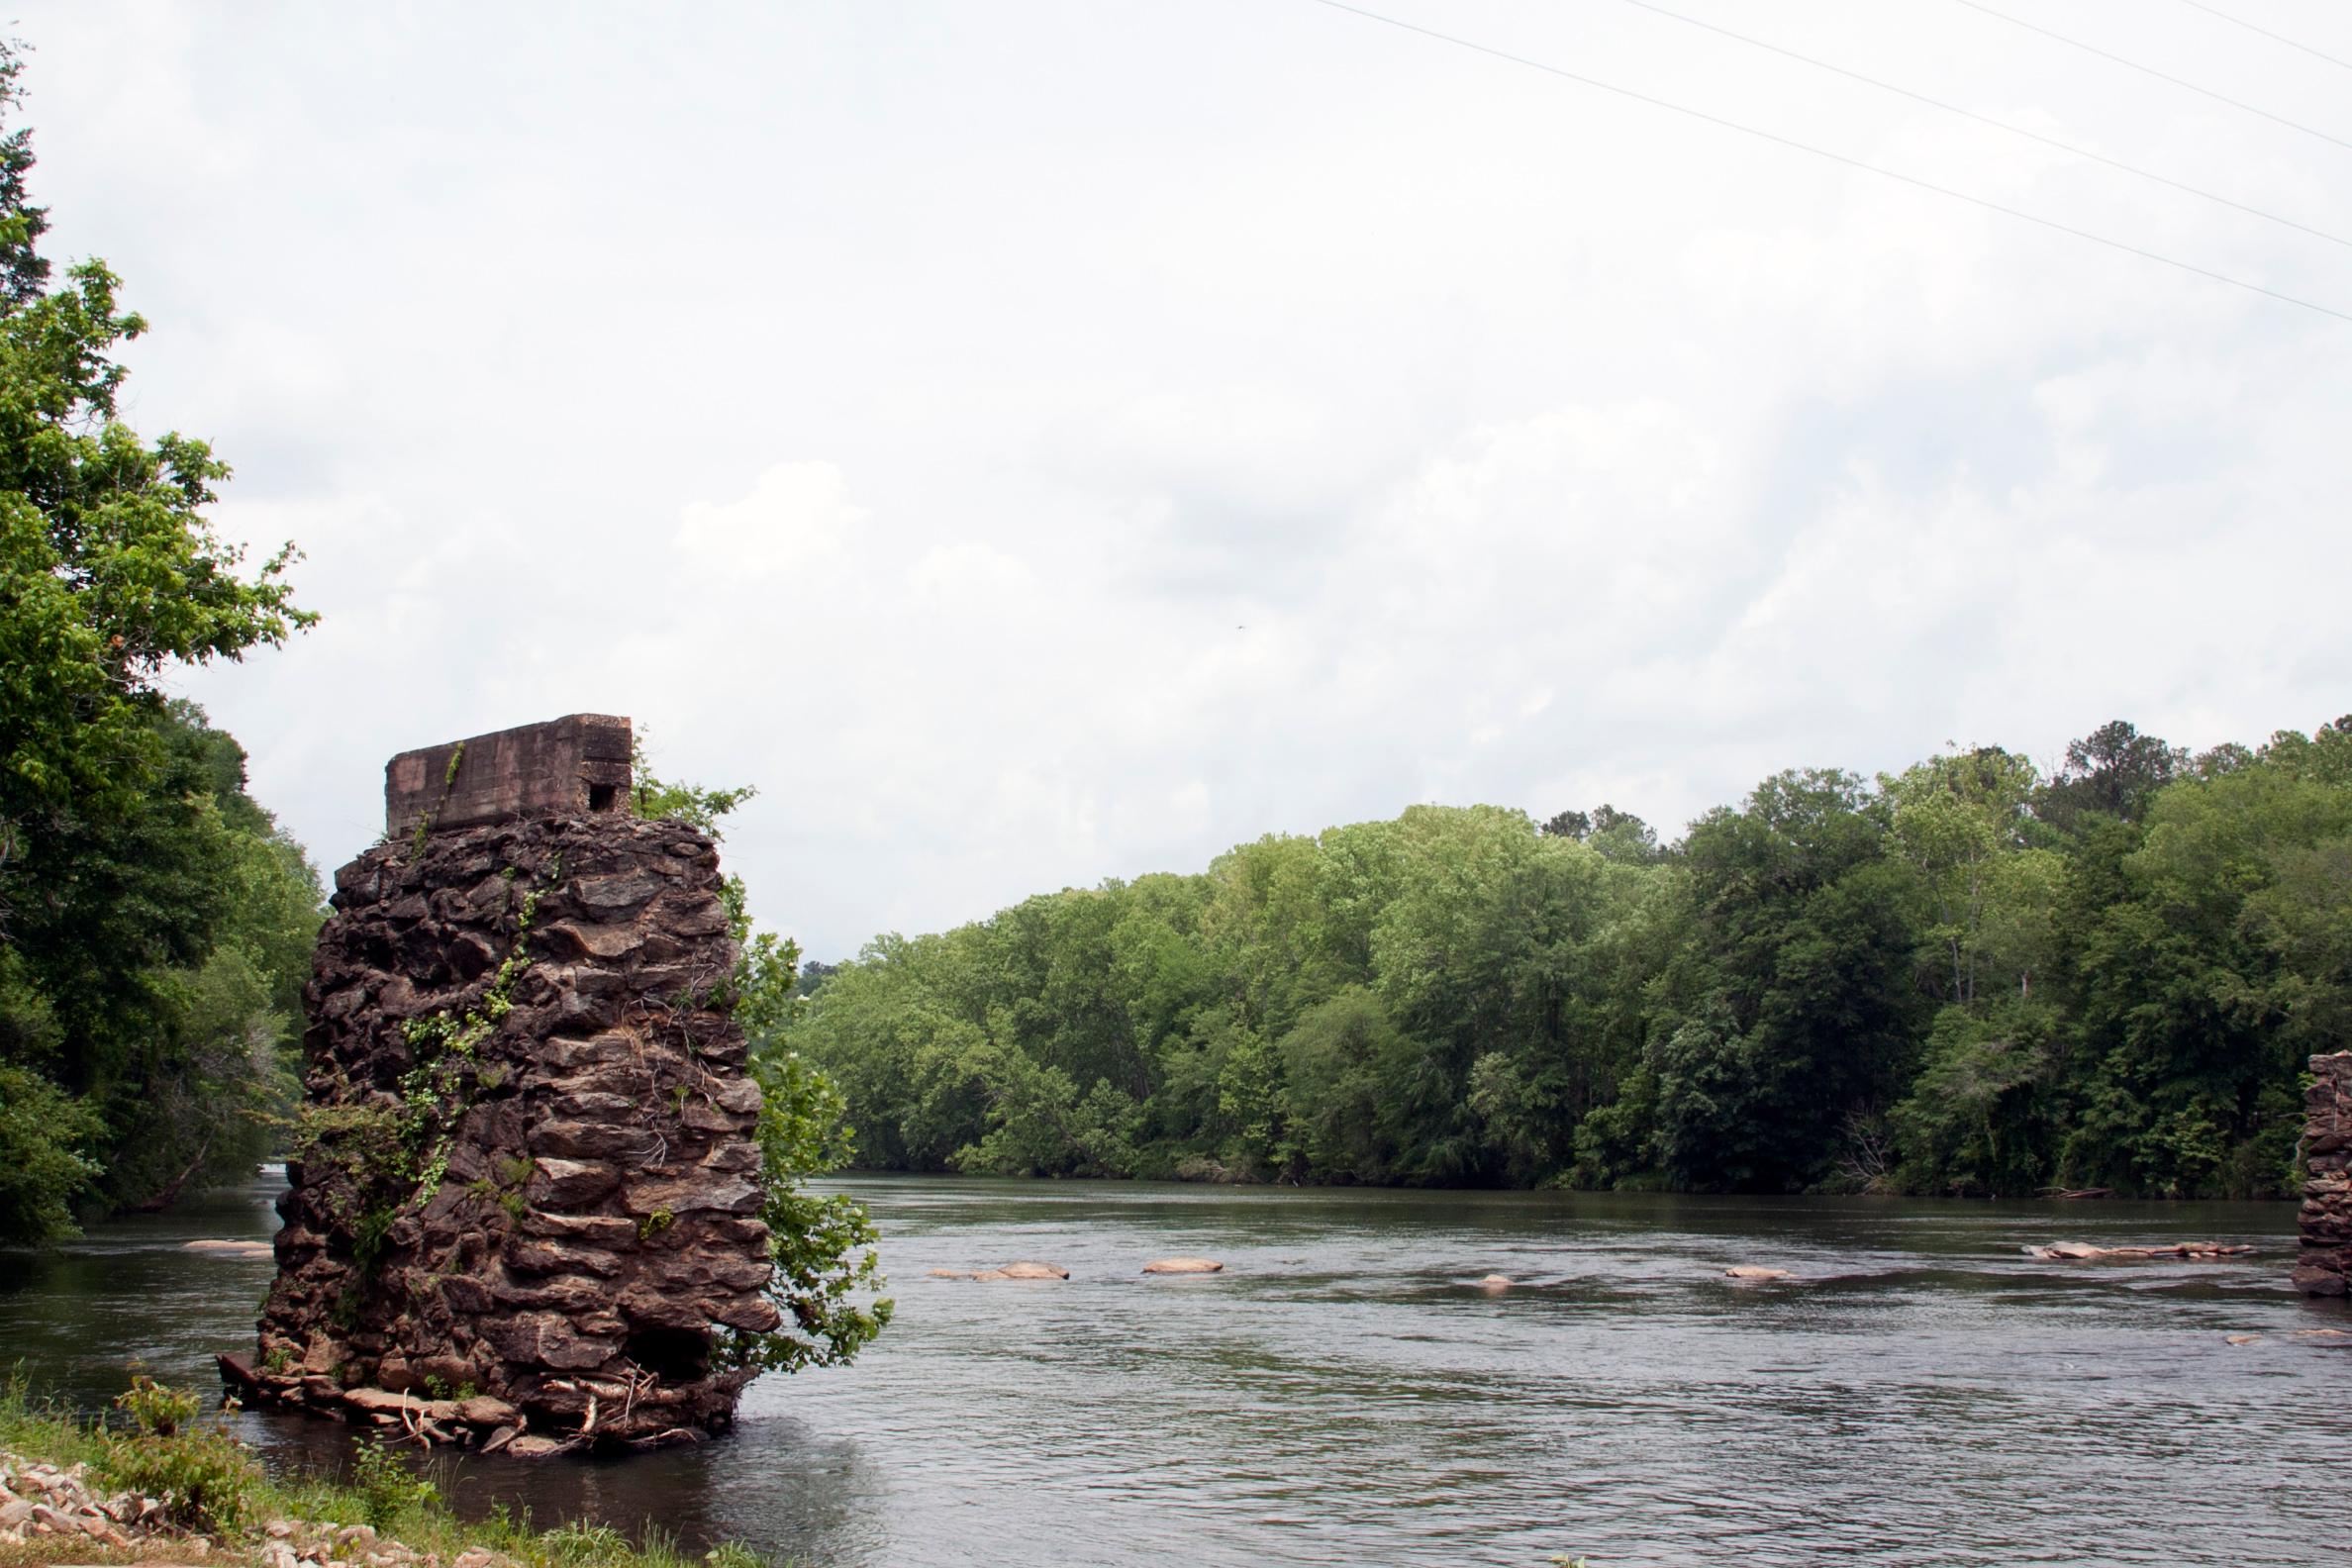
1962 824
2114 771
1788 1015
2216 967
132 978
1969 827
48 1156
1336 1061
1962 979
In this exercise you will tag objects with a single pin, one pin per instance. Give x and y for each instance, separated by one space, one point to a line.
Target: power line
1834 157
2150 70
2275 37
1985 119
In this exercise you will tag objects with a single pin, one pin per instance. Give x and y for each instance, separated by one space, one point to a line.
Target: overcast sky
1036 443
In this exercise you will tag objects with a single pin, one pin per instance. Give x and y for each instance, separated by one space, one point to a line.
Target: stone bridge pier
2323 1263
525 1198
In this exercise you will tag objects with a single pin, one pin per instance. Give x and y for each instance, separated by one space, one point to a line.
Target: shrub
205 1479
387 1488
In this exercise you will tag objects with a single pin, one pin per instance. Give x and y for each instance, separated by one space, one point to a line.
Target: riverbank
168 1487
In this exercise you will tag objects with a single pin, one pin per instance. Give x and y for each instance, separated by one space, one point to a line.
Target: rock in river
1183 1265
1020 1272
2083 1251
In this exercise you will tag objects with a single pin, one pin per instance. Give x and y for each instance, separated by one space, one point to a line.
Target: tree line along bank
1965 978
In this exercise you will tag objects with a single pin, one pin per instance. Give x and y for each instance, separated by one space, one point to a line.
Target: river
1344 1392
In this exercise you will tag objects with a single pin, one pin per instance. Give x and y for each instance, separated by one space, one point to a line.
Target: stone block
572 766
692 1191
562 1184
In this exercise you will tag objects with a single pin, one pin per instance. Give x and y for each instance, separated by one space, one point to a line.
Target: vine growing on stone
396 1157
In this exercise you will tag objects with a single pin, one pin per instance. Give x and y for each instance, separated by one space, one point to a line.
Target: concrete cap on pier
565 767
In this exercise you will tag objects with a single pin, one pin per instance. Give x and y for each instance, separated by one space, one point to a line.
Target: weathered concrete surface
2323 1263
566 767
530 1175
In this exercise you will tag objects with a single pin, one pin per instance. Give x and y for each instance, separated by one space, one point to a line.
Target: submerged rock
537 1448
2083 1251
1018 1271
1183 1265
1750 1271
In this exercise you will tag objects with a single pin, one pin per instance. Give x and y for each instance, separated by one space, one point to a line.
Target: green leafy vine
399 1156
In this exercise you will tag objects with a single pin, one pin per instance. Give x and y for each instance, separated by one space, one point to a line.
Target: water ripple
1922 1392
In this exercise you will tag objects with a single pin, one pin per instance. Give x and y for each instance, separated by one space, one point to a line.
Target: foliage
825 1268
387 1488
156 1410
395 1156
154 921
660 800
822 1244
46 1139
1965 977
204 1477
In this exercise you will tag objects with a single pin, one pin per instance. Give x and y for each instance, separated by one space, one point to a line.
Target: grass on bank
214 1487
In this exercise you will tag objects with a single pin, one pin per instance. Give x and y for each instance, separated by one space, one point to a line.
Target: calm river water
1343 1393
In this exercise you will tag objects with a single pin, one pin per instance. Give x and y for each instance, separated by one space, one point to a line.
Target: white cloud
1050 442
797 519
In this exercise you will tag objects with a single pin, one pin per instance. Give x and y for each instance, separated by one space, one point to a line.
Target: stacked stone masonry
2324 1264
531 1200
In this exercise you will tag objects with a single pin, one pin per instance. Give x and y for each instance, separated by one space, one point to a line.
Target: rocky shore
61 1502
38 1499
53 1511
